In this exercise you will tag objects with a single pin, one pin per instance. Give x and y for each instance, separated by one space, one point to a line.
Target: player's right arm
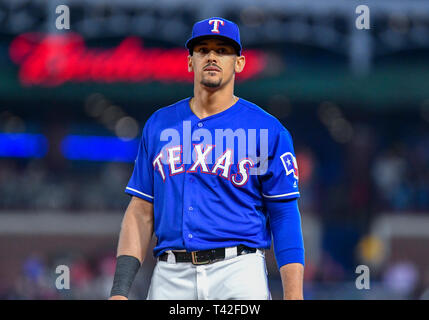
134 240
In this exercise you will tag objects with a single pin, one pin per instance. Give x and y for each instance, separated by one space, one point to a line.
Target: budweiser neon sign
52 60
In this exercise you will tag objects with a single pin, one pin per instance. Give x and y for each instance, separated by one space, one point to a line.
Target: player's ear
240 62
190 66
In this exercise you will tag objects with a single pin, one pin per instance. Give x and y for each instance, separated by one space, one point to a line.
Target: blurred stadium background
73 104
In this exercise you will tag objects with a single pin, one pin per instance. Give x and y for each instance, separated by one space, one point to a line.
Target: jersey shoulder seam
257 109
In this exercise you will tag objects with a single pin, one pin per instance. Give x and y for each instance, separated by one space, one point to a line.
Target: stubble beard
211 83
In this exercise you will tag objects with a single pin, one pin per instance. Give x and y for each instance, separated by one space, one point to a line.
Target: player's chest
233 154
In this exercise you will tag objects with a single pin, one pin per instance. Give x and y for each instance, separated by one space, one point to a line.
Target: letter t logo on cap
215 23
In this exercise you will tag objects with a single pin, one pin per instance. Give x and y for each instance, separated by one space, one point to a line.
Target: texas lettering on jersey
222 165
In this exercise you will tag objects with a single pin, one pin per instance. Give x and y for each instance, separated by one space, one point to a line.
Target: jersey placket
190 205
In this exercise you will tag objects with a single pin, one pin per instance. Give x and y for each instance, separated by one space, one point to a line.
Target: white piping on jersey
144 194
280 195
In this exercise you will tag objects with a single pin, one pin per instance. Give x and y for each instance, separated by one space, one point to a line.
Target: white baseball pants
235 278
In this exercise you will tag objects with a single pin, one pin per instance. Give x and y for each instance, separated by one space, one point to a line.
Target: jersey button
200 124
190 208
190 236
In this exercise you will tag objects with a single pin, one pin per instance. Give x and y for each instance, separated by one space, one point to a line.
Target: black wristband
126 270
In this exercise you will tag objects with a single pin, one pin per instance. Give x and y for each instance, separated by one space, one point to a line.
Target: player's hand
118 298
292 297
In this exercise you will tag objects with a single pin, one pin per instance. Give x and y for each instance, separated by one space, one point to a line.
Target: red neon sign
56 59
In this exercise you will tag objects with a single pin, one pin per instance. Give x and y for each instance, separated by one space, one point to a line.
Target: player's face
214 63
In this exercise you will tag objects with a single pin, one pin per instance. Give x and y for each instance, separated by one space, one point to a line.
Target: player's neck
206 103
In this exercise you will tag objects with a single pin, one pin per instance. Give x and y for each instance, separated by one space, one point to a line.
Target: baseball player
216 179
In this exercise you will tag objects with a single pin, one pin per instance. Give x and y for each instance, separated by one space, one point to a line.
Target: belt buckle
195 260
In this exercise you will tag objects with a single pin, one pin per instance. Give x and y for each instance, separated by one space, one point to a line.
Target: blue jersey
209 178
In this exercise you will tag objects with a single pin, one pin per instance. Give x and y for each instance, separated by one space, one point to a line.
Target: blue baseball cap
215 27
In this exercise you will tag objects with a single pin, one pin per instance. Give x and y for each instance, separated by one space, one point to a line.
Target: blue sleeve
141 181
280 181
285 223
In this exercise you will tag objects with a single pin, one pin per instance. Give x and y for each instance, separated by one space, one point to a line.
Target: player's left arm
292 275
280 190
285 222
